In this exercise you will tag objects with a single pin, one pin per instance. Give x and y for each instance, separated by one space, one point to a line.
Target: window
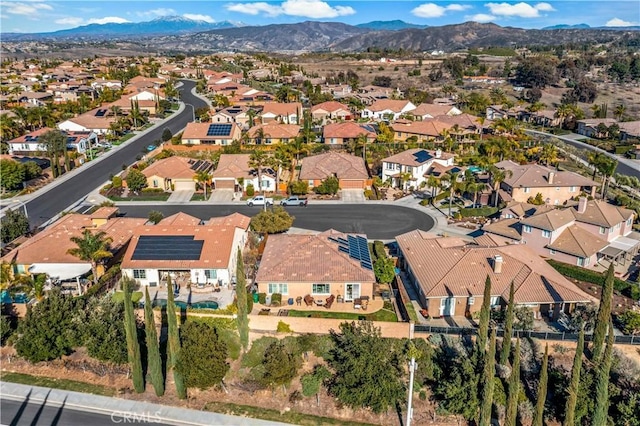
552 252
278 288
629 220
527 190
603 230
311 183
581 261
472 300
508 216
409 169
140 274
572 189
495 300
321 289
155 183
527 229
210 274
618 225
546 234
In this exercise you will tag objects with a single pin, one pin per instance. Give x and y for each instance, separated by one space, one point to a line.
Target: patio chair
329 301
308 300
365 304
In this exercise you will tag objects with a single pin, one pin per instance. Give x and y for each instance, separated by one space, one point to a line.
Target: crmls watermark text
128 417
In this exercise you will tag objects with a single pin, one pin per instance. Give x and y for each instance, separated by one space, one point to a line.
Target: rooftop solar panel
179 247
101 112
422 156
219 130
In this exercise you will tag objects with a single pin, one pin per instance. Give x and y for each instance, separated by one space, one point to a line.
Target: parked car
294 201
259 200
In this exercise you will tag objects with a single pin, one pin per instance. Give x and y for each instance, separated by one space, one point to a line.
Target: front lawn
381 315
142 197
198 196
64 384
118 296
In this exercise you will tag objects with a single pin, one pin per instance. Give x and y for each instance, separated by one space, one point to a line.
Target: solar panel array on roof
176 247
422 156
234 110
356 247
219 130
101 112
30 138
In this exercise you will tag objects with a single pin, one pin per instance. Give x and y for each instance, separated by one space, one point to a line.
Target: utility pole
412 369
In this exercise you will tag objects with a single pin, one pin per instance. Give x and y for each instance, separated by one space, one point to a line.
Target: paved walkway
352 196
181 196
221 196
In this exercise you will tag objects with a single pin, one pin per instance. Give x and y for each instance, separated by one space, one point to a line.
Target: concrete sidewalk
118 409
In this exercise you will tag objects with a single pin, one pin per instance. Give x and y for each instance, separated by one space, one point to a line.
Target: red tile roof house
46 252
527 180
347 132
417 162
175 173
349 169
449 275
424 111
297 266
97 121
328 111
192 253
424 131
388 109
234 172
232 114
273 133
287 113
212 134
579 235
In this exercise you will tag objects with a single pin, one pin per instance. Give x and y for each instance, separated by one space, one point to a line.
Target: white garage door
184 186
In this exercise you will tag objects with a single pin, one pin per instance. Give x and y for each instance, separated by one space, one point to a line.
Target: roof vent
550 177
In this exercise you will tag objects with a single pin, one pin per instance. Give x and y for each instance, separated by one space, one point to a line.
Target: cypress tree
572 399
174 342
487 387
538 415
241 300
133 346
485 312
154 362
604 315
508 329
514 389
600 413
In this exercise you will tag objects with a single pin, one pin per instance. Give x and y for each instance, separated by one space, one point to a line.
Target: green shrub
262 298
424 202
276 298
581 274
482 211
299 187
283 327
152 190
441 196
249 302
250 190
378 248
116 182
329 186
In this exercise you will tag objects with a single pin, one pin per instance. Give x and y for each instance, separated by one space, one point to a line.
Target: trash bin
255 298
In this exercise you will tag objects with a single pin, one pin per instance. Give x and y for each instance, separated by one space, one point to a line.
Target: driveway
352 196
221 196
182 196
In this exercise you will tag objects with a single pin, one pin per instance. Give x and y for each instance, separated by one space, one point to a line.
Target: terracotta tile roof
34 134
509 228
233 166
276 130
309 258
578 242
180 218
347 130
601 213
444 270
344 166
330 107
217 237
388 104
431 128
536 176
409 157
199 131
176 168
234 219
89 120
492 240
550 220
104 213
51 244
432 110
279 108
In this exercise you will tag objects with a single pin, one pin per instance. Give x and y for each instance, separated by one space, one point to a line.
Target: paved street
377 220
56 198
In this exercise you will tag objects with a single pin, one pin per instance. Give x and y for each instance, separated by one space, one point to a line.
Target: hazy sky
49 15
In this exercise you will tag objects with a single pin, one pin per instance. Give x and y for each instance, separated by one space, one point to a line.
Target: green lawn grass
291 417
143 197
64 384
198 196
119 296
381 315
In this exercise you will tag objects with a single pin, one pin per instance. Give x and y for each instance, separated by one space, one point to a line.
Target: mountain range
586 26
395 25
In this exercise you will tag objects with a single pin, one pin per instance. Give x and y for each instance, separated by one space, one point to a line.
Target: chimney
497 264
438 153
550 177
582 204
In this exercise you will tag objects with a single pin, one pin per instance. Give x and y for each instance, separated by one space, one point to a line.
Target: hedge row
378 250
623 287
482 211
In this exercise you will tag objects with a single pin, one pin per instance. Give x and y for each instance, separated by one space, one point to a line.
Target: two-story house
330 110
287 113
412 167
388 109
347 132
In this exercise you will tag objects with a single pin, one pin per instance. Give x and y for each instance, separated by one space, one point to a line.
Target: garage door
225 184
184 185
352 184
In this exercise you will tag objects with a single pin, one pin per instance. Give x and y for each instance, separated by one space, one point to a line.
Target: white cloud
161 11
107 20
197 17
432 10
482 18
25 8
304 8
69 21
521 10
617 22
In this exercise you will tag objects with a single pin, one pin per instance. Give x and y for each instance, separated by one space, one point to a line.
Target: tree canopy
202 359
14 225
272 221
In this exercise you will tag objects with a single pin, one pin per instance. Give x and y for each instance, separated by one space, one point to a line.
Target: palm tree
282 159
116 110
619 111
53 142
497 177
563 112
298 147
432 182
251 115
607 168
93 247
135 114
473 188
549 154
203 177
9 127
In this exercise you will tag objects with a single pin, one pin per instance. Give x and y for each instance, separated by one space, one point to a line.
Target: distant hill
395 25
567 27
159 26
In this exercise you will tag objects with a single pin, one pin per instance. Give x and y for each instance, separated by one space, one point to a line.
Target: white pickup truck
259 200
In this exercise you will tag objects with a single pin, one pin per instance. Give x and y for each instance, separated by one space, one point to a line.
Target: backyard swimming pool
205 304
5 297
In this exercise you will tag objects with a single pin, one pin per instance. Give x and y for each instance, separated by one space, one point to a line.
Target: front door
352 292
447 306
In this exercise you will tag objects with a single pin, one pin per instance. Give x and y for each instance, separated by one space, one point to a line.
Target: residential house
191 254
424 111
232 114
317 266
589 126
80 142
273 133
629 130
287 113
35 98
347 132
330 111
211 134
234 172
250 96
349 169
47 251
413 166
388 109
449 276
97 121
175 173
28 144
422 131
524 181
